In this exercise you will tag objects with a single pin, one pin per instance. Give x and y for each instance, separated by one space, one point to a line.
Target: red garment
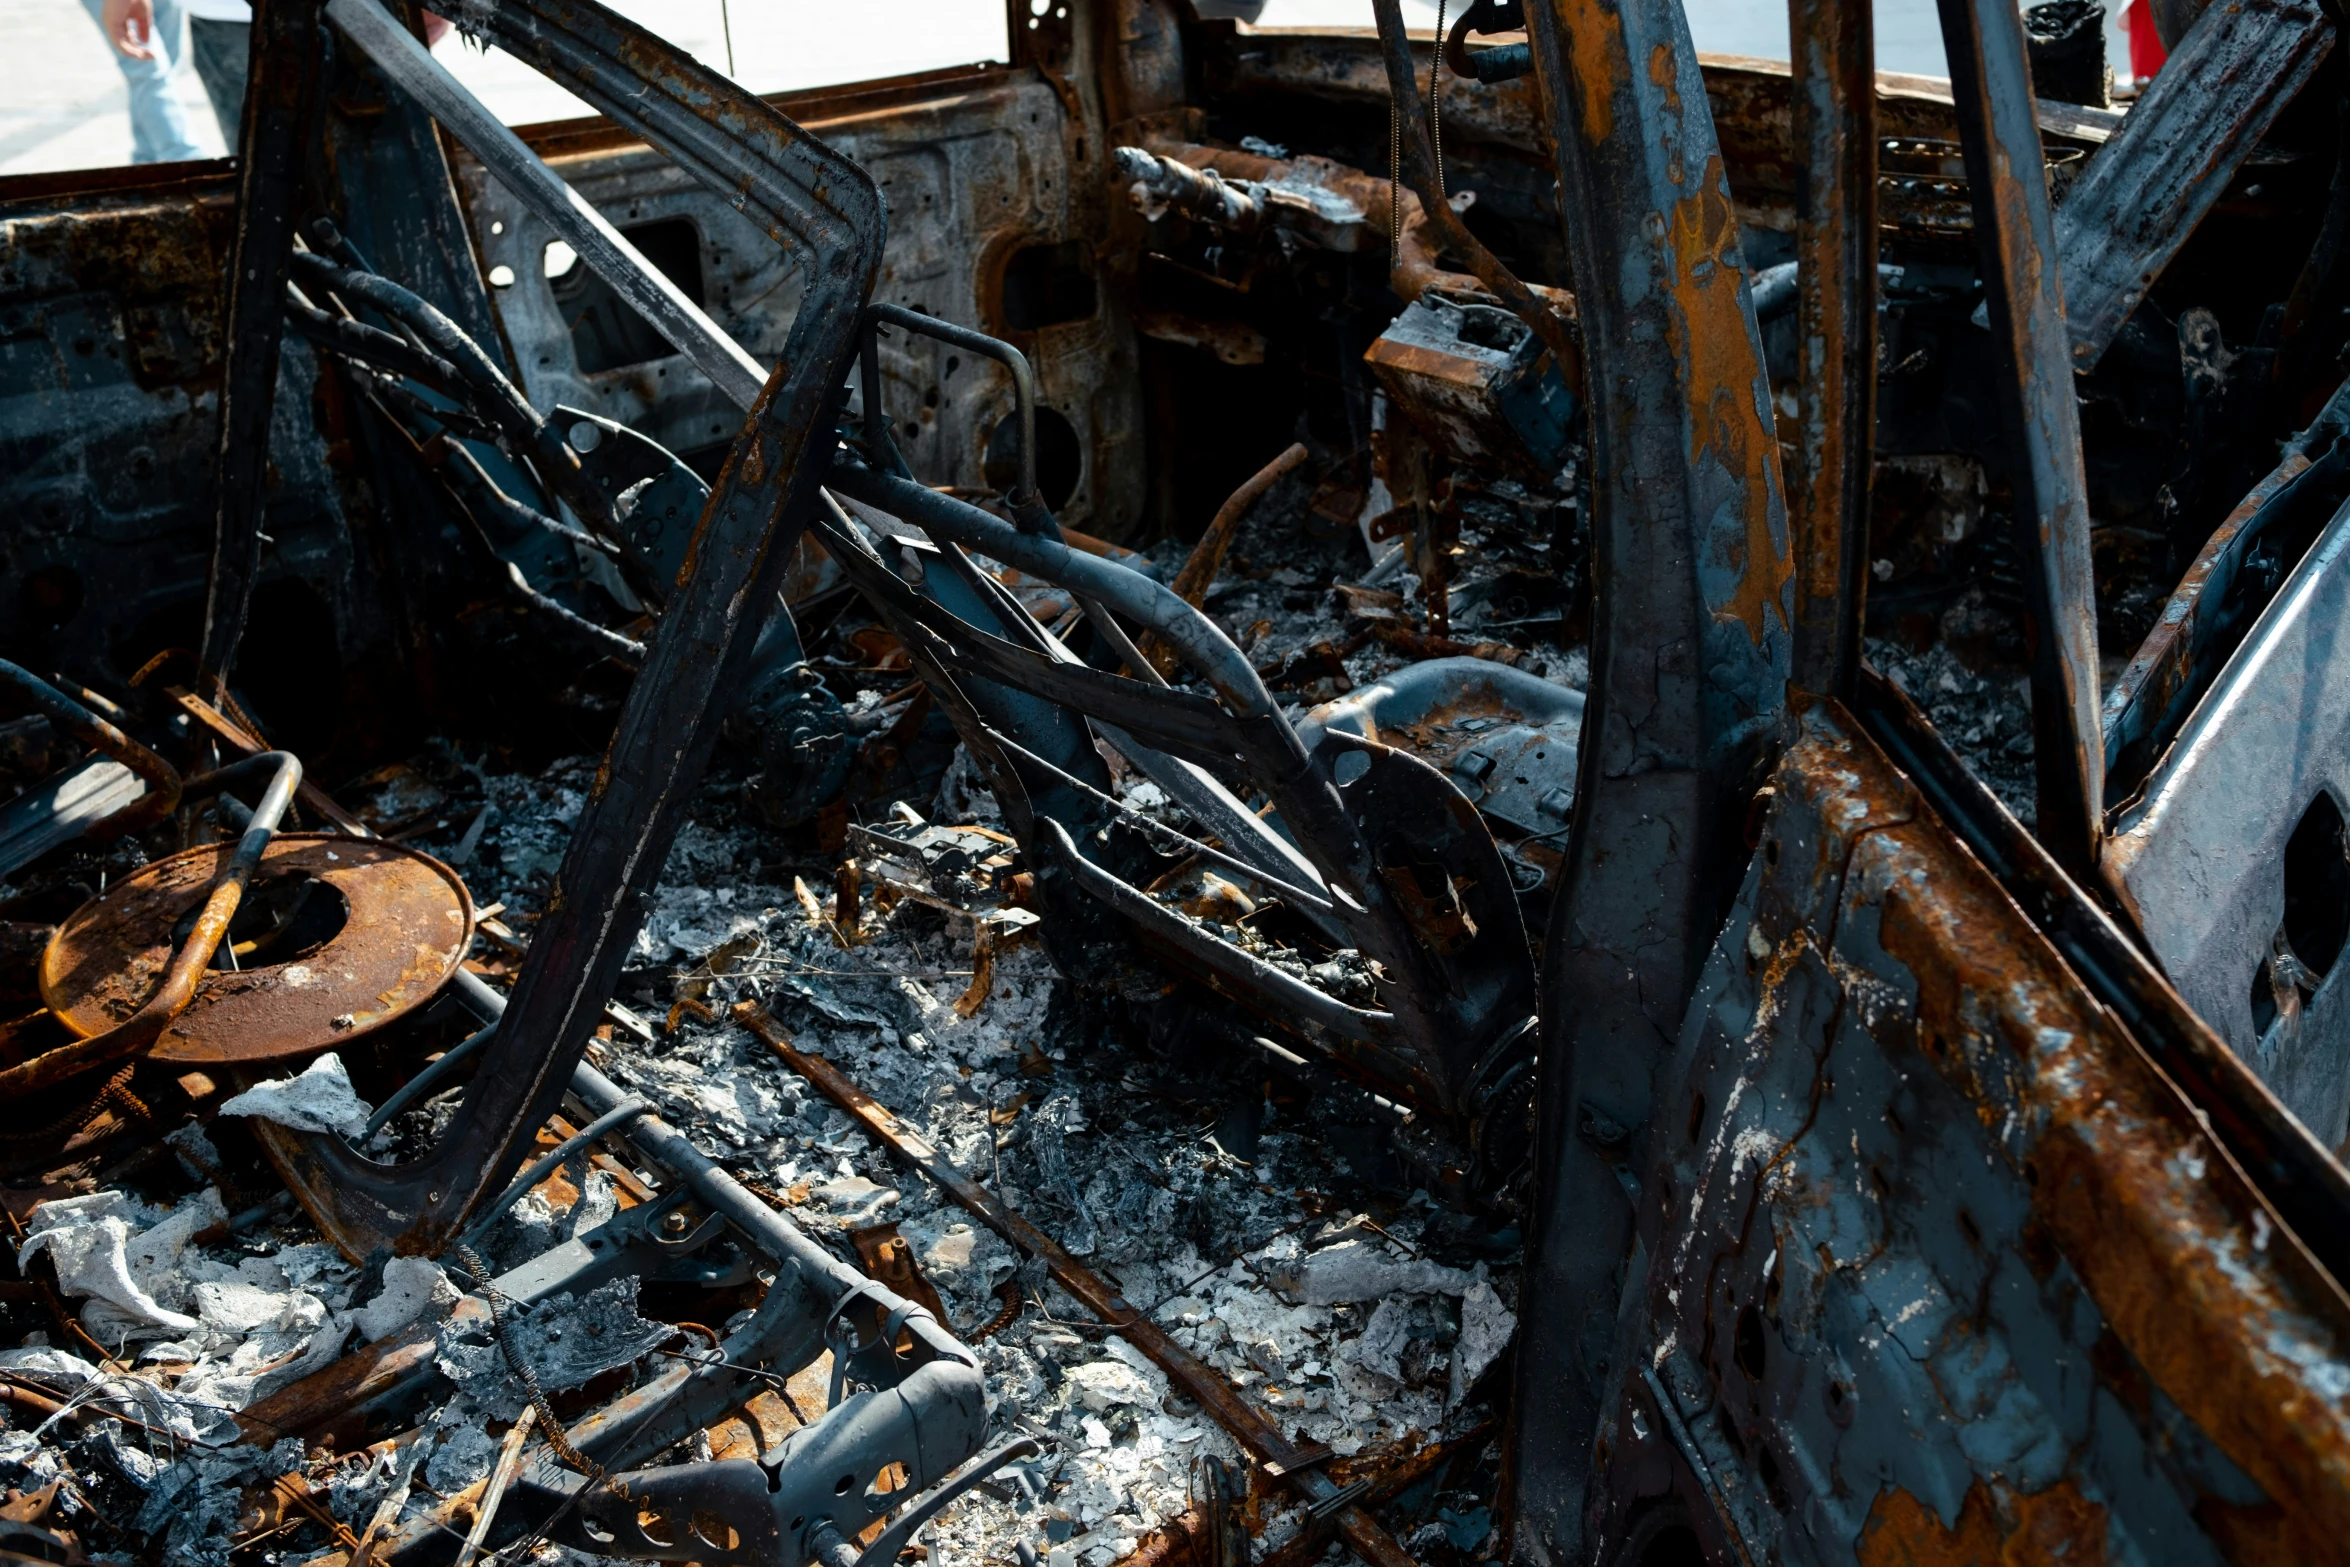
2146 51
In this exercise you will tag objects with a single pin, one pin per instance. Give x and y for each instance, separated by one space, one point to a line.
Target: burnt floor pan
1232 795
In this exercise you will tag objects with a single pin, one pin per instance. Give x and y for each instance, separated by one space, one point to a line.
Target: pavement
66 107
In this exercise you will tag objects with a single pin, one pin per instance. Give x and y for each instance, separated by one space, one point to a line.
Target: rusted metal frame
1836 241
2308 1188
273 141
2017 257
1015 364
1190 726
1251 730
1264 1442
2221 594
961 623
161 778
1925 1177
1691 642
1420 173
2143 193
404 60
139 1032
823 207
1439 1050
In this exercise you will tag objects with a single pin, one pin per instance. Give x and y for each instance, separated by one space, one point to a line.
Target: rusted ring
406 924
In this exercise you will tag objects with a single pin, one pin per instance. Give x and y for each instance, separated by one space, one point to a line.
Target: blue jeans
159 123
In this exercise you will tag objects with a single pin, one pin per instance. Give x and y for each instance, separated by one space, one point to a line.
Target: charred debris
1230 797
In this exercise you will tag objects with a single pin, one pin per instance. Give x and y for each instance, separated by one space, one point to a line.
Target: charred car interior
1228 796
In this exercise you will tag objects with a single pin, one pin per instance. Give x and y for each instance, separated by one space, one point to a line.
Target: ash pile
881 1151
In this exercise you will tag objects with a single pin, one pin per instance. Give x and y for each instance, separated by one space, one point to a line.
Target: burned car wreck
1231 795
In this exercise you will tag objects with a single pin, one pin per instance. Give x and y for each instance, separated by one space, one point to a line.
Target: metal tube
547 1163
393 50
1003 353
1835 336
143 1028
1195 638
2015 235
435 1071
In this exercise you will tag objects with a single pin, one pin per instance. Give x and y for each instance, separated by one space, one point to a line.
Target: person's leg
159 122
224 55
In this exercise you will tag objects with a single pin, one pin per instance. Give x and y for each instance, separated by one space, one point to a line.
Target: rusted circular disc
407 922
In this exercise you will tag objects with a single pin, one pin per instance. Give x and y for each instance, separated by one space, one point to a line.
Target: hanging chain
1394 182
1435 104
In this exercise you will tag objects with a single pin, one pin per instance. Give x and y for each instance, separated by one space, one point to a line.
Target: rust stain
1661 73
2055 1526
1711 340
407 924
1596 53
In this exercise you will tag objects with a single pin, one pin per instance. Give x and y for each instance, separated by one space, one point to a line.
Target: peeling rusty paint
2055 1526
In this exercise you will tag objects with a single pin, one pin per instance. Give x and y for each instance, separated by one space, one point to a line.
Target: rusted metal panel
406 922
1935 1264
2143 193
2241 906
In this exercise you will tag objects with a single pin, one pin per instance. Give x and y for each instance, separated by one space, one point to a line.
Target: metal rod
553 1159
1003 353
435 1071
2015 236
280 114
1835 336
